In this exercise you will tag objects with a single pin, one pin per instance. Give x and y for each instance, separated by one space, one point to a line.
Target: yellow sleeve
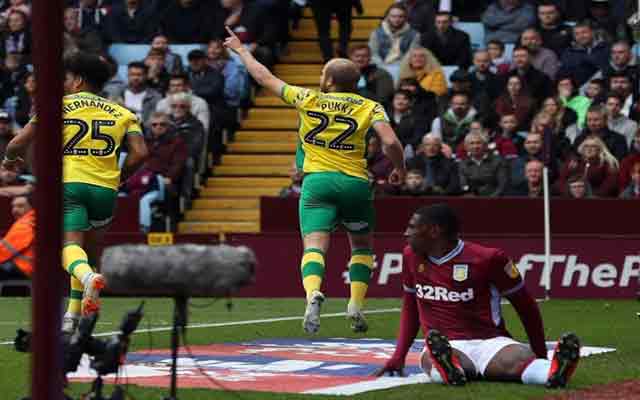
379 114
295 95
134 127
435 82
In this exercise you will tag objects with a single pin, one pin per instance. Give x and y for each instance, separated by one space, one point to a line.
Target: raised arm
17 147
392 148
259 72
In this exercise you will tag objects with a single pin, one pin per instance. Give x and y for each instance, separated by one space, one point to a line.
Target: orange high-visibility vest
18 244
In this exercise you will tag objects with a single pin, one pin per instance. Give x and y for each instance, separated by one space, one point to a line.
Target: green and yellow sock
75 262
312 266
75 297
360 267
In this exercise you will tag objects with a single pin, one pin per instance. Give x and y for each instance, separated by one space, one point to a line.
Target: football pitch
598 322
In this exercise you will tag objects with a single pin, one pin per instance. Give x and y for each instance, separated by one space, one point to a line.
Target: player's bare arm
138 153
259 72
392 148
17 146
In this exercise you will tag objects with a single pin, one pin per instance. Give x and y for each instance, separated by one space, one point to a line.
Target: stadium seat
126 53
184 49
475 31
122 72
448 70
508 50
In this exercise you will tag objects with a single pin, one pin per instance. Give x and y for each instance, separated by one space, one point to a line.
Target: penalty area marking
248 322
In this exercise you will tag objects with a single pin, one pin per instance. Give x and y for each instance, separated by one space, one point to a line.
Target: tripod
179 327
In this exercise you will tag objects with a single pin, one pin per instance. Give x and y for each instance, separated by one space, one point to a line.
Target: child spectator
414 185
578 188
633 190
500 64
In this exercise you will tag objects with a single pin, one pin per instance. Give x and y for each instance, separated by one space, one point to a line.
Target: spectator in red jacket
628 162
633 190
515 101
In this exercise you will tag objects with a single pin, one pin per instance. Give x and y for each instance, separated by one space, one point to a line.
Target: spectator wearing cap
157 74
135 22
632 158
375 83
482 173
556 35
453 125
449 45
585 56
461 83
5 131
393 39
421 14
542 59
516 101
172 61
535 82
206 82
621 60
425 68
483 80
505 20
440 172
17 37
597 126
187 21
179 83
618 122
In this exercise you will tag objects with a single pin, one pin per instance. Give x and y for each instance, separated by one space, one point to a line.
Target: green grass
606 323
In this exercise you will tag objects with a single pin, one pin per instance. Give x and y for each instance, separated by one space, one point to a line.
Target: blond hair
605 155
431 64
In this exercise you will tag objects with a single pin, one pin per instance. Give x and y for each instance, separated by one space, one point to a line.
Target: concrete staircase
258 161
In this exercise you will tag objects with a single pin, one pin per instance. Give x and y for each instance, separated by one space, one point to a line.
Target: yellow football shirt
93 130
333 128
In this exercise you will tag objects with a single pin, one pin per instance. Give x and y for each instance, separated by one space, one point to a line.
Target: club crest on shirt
460 272
511 270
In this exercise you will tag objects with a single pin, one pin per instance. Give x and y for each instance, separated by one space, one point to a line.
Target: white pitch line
236 323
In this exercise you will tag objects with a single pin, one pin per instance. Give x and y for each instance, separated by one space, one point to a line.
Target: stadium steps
258 162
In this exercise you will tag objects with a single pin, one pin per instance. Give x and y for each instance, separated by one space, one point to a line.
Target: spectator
532 186
568 94
596 164
633 190
375 83
25 101
605 25
597 126
421 14
483 80
620 84
535 82
15 5
414 185
506 141
461 83
621 60
91 15
188 127
137 96
595 91
378 165
172 61
453 125
424 104
514 101
402 120
617 122
562 116
87 40
542 59
206 82
392 40
449 45
133 23
294 189
505 20
556 35
187 21
628 162
441 173
199 107
236 78
423 66
6 133
157 74
323 10
585 56
578 188
483 173
500 63
17 38
532 151
252 27
17 246
560 144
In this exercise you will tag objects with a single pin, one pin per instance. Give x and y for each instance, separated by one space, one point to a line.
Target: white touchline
249 322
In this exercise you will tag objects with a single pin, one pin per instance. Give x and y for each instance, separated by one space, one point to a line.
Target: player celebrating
452 288
331 152
93 131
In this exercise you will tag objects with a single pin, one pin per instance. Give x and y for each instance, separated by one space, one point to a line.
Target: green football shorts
87 206
332 198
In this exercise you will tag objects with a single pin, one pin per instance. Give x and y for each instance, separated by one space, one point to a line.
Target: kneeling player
453 289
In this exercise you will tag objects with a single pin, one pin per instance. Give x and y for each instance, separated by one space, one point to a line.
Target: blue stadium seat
448 70
184 49
475 31
122 72
508 50
126 53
